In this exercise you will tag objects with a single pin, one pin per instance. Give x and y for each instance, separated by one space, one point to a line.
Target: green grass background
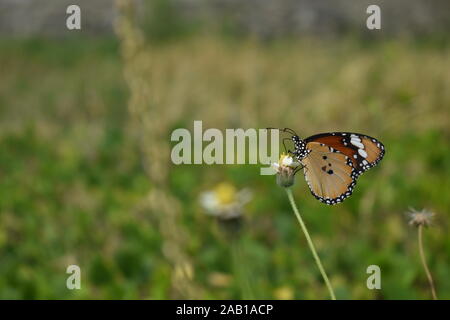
72 182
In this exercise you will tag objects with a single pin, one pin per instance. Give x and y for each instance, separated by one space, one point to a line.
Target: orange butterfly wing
334 162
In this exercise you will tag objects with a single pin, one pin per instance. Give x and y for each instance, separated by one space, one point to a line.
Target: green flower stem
310 243
240 271
424 263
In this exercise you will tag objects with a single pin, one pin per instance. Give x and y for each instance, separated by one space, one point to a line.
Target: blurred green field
74 186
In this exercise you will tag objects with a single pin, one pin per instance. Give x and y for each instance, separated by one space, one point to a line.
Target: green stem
240 271
310 243
424 263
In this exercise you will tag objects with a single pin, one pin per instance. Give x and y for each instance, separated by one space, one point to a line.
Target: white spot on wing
362 153
357 142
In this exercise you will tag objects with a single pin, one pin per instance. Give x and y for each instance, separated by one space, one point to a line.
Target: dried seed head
420 218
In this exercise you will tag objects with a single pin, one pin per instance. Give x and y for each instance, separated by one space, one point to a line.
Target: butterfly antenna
288 130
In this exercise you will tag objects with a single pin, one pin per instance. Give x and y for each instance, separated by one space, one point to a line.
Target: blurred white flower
224 201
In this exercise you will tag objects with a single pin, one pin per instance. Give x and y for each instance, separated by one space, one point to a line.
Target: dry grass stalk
151 122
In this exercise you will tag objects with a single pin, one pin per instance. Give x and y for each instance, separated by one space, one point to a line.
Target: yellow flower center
282 157
225 193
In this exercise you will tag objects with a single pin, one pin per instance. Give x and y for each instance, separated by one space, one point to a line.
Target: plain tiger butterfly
332 162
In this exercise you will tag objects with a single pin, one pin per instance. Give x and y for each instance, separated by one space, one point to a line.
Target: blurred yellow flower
219 279
225 201
226 193
284 293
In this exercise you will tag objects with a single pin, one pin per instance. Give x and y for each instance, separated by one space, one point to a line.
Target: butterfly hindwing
329 173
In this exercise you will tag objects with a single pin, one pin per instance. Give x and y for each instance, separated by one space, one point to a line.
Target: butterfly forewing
364 151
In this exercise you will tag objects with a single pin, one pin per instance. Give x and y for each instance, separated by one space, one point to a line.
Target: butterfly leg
300 167
284 144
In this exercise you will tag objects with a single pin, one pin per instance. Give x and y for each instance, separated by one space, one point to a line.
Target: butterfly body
332 162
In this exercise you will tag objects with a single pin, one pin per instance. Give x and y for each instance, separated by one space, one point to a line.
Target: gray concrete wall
265 18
